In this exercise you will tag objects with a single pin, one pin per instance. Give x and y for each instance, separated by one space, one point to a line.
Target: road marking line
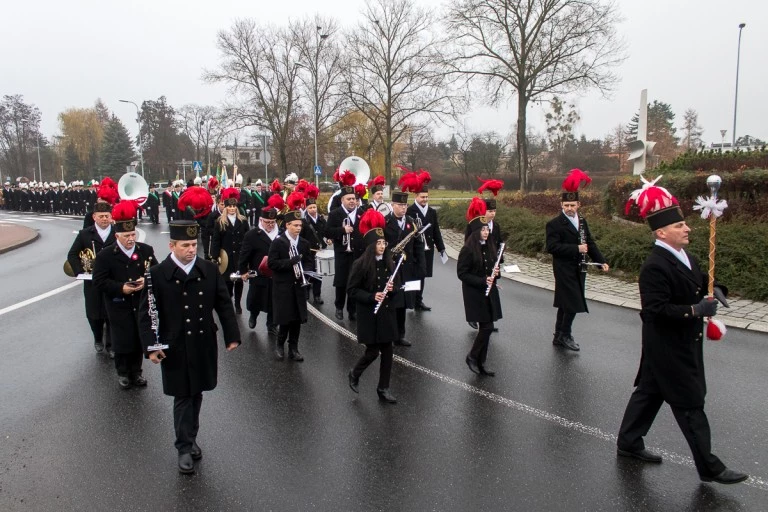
38 298
673 457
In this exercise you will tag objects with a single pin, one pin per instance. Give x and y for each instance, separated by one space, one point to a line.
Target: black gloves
719 295
705 307
296 259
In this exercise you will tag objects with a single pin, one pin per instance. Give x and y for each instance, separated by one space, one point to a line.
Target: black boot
252 321
386 396
353 381
557 338
293 352
280 344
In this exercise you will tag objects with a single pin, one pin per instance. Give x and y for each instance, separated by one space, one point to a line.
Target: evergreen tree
691 130
116 150
661 130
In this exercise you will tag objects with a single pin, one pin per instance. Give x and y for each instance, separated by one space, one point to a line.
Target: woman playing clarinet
477 270
372 285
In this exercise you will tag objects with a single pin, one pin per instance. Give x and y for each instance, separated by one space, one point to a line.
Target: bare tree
319 48
534 48
560 121
617 141
394 75
260 65
19 132
692 132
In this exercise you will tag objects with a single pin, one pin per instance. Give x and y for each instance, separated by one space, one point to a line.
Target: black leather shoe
139 381
352 317
111 354
186 464
295 355
353 382
403 342
196 452
728 476
568 342
386 396
339 314
279 351
318 301
252 321
473 325
124 382
472 364
238 310
556 339
485 371
643 455
422 307
98 347
272 329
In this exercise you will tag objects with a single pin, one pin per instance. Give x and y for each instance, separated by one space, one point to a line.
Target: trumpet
346 240
236 276
298 268
417 221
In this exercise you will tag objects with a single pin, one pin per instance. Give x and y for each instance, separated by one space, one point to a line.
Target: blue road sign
197 166
318 170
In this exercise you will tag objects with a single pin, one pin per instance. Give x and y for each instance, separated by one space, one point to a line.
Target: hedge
742 247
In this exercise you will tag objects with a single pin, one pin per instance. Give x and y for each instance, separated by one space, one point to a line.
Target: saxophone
152 309
400 247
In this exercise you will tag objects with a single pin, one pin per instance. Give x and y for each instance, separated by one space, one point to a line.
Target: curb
34 235
606 298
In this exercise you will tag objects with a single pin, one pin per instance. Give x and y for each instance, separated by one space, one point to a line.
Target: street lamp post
314 69
141 146
39 164
736 95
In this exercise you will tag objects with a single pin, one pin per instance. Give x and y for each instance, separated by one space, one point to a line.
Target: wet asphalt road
292 436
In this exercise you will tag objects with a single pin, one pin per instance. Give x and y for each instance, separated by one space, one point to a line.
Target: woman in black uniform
477 271
228 234
368 284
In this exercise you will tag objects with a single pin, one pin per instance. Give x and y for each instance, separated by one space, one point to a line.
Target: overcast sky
62 54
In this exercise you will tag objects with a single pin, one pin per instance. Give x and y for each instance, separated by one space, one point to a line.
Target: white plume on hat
62 183
239 179
259 182
198 181
291 178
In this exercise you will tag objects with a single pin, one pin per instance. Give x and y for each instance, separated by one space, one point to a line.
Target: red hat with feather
656 205
108 191
230 196
311 194
276 187
295 202
372 225
197 201
476 214
376 184
571 184
124 215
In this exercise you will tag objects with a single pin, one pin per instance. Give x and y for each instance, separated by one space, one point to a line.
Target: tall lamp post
141 146
314 70
39 164
736 96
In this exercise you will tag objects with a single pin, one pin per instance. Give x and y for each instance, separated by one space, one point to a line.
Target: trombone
347 238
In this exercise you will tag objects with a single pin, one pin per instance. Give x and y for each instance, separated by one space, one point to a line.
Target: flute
390 281
495 266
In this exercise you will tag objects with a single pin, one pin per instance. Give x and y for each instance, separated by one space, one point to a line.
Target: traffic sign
197 166
318 170
265 157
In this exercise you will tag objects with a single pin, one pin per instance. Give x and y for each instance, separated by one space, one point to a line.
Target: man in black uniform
186 289
167 202
153 205
399 225
313 231
343 225
288 253
674 302
119 274
421 210
256 243
87 244
569 241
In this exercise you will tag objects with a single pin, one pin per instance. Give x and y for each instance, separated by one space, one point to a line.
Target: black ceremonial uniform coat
472 274
111 271
152 205
562 243
432 235
672 358
89 238
229 238
382 326
185 305
413 267
288 297
342 259
256 243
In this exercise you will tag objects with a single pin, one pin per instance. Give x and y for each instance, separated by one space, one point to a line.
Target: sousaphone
358 167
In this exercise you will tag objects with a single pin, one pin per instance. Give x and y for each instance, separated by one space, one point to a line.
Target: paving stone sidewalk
744 314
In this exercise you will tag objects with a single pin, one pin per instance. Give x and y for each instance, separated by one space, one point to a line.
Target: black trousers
186 420
129 365
168 214
290 332
564 321
341 298
642 408
370 355
479 350
235 288
420 293
400 314
98 328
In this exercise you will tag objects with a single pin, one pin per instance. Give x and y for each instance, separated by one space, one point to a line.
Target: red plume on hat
124 210
424 179
276 202
360 190
311 192
371 219
477 208
347 178
295 201
199 201
574 180
229 193
377 181
301 186
107 190
336 177
276 186
213 183
650 199
409 182
492 185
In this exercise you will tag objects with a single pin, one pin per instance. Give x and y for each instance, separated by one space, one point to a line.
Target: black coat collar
168 267
690 273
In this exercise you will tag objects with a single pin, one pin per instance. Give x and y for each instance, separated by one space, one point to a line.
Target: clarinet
583 240
391 280
153 315
498 260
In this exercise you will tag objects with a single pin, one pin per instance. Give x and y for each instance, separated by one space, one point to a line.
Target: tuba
132 187
358 167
